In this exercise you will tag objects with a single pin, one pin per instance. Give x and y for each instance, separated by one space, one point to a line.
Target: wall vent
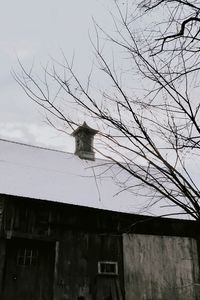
107 268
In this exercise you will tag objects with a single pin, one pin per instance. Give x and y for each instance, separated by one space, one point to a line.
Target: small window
107 268
27 257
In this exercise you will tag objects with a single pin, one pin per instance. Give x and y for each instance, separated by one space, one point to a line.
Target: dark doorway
29 270
107 288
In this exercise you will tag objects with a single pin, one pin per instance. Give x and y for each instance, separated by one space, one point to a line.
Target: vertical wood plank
2 263
1 212
160 267
57 245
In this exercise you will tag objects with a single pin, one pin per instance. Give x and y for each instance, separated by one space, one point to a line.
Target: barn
63 236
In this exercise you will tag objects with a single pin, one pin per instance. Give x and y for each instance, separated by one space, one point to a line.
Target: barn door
29 270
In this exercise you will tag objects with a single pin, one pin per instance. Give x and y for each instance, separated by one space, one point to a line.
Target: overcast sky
37 30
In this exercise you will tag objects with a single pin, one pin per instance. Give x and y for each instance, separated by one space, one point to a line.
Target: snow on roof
45 174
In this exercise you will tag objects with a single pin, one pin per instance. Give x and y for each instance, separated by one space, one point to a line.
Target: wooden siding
77 264
81 238
28 270
29 220
158 264
2 263
160 267
1 212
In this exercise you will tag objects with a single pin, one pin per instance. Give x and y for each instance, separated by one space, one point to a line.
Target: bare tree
148 112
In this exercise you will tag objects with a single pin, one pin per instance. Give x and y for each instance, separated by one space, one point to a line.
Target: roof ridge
33 146
45 148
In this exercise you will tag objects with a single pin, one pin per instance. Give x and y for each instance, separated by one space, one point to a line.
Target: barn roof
47 174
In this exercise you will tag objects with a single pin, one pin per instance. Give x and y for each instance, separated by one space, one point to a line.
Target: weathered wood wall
77 267
160 267
80 240
2 263
2 245
159 261
1 212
